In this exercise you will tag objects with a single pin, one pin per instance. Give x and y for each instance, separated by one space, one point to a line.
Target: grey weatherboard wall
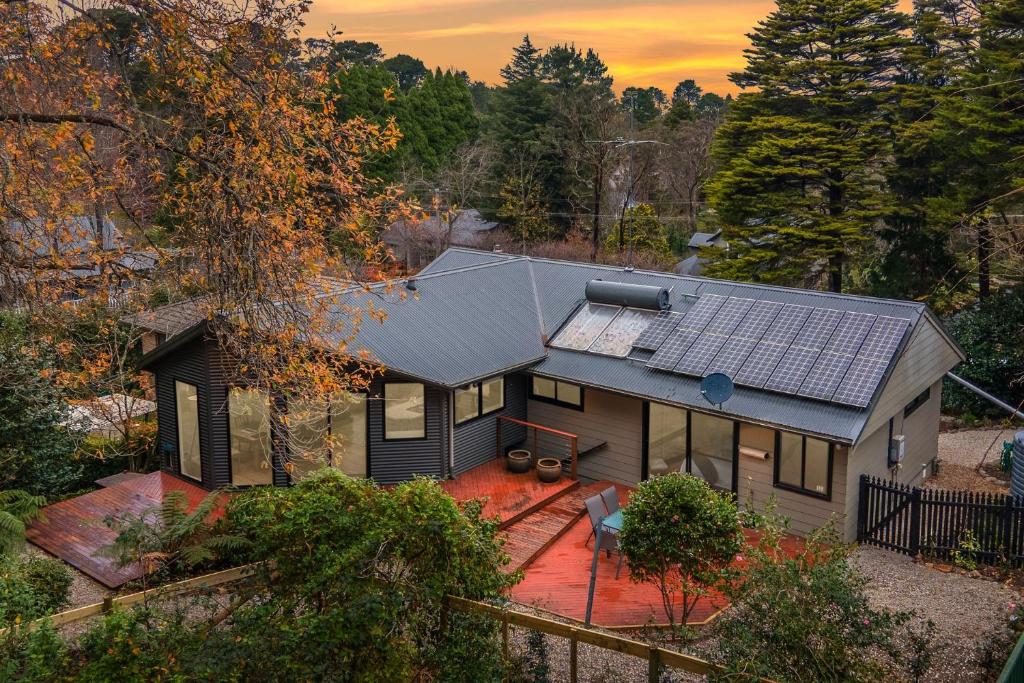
396 461
475 440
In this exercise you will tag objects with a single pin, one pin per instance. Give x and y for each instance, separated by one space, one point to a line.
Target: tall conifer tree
799 186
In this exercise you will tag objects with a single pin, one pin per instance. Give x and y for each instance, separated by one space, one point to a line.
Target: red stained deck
557 579
73 529
509 497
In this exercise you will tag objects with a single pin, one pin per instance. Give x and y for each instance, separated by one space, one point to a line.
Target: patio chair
611 499
609 537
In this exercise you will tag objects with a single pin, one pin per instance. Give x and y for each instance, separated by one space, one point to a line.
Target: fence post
108 604
504 640
573 655
653 665
862 508
1008 528
915 522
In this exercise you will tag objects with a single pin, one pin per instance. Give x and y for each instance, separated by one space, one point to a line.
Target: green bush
32 656
990 334
682 536
806 617
32 587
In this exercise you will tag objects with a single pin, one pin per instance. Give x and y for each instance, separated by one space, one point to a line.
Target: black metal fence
985 527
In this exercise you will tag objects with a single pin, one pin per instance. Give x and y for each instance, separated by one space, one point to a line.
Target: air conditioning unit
897 450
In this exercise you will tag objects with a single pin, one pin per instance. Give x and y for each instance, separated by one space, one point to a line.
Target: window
348 434
467 403
186 400
712 445
557 392
918 401
249 426
666 439
308 431
804 464
479 398
405 415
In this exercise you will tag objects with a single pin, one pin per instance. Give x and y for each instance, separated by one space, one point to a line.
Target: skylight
603 329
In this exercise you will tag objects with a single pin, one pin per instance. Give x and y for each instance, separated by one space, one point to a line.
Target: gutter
985 395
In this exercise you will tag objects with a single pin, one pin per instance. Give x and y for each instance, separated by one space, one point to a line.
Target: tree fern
17 508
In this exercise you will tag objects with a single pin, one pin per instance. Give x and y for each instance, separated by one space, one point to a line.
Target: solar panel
787 324
758 319
884 338
791 371
861 381
617 338
731 357
850 333
818 328
672 350
729 316
702 312
697 358
657 332
826 375
760 364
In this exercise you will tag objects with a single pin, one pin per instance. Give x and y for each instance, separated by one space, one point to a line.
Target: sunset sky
643 43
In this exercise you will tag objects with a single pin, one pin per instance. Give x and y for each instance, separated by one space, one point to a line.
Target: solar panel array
818 353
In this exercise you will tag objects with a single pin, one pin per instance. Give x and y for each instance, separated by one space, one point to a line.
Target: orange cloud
643 43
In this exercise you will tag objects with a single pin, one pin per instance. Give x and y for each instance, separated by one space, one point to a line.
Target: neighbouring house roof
476 314
704 239
694 265
467 230
107 414
77 236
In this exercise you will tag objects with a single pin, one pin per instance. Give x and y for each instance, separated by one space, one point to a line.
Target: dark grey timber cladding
220 379
475 440
395 461
188 364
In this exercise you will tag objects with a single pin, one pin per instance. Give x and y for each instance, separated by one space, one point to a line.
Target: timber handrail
179 587
574 439
657 657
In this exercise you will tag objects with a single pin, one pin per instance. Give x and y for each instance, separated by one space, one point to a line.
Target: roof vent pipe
410 284
627 294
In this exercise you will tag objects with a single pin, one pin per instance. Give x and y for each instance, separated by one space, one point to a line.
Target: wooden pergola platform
73 529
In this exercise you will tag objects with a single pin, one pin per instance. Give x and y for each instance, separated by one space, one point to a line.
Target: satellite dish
717 388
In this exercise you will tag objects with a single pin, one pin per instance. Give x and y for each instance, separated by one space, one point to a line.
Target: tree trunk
984 256
835 208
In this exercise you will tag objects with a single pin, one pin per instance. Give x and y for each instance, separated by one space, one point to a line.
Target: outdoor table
613 521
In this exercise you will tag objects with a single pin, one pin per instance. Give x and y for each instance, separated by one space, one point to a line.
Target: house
694 263
70 251
828 386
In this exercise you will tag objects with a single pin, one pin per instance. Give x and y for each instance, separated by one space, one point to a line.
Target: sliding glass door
681 441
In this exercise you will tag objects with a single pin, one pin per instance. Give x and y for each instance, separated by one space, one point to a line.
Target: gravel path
966 611
961 453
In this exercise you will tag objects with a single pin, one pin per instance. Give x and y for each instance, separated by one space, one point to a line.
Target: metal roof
476 314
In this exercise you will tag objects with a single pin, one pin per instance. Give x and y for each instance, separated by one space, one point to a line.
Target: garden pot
519 461
549 470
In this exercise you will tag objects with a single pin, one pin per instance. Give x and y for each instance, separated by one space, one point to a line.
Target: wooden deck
73 529
557 570
509 497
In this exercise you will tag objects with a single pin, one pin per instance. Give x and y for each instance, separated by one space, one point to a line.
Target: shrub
32 587
38 655
16 509
169 540
681 535
359 580
807 618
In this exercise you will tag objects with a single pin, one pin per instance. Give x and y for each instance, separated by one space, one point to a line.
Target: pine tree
435 118
985 131
798 188
525 63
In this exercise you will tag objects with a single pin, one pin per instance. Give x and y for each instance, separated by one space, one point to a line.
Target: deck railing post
536 453
575 455
654 665
573 655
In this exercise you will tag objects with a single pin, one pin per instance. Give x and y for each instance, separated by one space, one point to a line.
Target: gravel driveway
966 611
